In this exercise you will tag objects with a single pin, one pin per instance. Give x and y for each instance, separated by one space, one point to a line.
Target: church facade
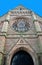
20 38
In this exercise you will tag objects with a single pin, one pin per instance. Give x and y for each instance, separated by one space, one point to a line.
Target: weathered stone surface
1 58
5 27
12 41
37 26
2 43
40 43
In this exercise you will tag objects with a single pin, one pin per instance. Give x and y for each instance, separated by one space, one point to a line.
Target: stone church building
20 37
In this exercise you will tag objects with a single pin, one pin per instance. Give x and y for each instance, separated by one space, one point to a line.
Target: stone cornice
29 36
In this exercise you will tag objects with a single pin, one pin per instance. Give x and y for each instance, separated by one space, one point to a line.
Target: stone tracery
21 25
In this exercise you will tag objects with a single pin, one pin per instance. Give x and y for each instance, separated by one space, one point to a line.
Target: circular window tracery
21 25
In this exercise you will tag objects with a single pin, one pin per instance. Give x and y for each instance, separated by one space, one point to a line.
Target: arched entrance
22 58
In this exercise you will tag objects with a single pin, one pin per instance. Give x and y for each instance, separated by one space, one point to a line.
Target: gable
20 13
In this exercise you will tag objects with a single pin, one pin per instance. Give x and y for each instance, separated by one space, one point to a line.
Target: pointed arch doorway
22 58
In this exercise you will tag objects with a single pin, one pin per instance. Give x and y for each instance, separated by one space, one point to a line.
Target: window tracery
21 25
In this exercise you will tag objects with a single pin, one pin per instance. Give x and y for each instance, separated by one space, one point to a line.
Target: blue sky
34 5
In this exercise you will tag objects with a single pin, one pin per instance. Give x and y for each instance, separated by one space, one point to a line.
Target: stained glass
21 26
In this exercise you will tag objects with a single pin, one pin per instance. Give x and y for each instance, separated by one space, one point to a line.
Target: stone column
40 48
34 16
36 23
2 46
39 34
37 26
8 16
5 26
40 43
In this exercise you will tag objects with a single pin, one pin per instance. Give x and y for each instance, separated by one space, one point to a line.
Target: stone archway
25 48
22 58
